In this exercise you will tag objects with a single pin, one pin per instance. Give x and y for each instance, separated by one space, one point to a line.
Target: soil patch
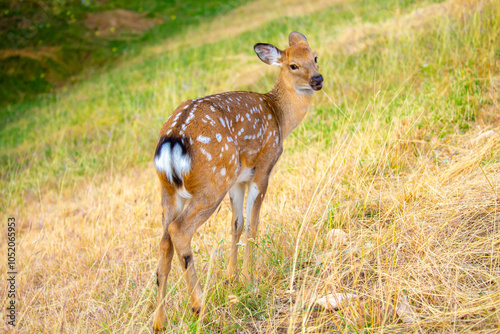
118 21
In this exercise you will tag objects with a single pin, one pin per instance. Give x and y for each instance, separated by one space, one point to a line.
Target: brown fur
226 137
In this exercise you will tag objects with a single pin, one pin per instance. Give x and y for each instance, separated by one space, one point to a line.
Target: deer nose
317 79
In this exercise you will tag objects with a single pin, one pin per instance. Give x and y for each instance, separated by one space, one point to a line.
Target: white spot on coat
208 155
203 139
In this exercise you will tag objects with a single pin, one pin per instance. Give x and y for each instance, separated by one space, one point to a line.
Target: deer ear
268 53
297 38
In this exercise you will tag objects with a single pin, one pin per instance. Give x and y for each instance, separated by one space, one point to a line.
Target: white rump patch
180 162
163 161
172 161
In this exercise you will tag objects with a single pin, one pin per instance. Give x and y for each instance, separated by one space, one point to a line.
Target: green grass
118 112
389 153
35 26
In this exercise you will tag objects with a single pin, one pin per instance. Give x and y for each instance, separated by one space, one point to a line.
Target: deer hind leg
181 231
172 206
236 194
256 191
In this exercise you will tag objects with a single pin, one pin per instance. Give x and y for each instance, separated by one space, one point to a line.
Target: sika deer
226 143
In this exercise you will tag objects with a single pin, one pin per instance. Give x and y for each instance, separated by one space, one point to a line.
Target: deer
227 143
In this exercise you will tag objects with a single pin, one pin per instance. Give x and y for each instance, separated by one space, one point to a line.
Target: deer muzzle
316 82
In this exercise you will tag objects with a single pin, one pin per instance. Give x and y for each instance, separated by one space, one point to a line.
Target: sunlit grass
400 151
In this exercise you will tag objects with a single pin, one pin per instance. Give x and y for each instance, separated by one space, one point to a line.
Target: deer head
299 64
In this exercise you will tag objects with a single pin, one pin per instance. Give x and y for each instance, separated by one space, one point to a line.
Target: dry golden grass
430 234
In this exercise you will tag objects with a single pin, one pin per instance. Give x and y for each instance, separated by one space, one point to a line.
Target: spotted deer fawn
227 142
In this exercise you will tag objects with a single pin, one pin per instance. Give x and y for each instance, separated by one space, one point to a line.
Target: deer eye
294 67
315 59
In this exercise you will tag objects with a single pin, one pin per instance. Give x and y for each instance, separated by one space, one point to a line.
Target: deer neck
291 106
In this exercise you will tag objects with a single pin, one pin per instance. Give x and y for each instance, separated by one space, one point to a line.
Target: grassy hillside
47 44
401 151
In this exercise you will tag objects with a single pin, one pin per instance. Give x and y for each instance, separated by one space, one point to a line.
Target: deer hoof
159 321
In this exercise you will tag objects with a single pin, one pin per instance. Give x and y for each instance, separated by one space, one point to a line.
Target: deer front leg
236 194
256 191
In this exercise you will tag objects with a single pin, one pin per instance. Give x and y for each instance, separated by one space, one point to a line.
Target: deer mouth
316 86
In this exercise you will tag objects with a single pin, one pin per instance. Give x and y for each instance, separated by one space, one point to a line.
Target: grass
400 151
47 44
